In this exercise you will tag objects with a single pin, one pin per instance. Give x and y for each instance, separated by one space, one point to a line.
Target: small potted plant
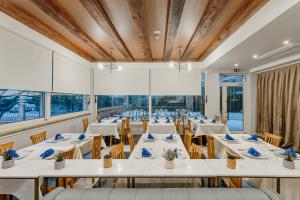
231 161
288 161
169 155
107 162
8 160
59 162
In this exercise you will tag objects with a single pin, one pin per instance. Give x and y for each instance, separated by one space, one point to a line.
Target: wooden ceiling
95 28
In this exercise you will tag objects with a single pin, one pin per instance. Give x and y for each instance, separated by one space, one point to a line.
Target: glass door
233 106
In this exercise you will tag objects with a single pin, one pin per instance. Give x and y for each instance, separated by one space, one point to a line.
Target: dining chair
117 152
234 182
39 137
188 141
131 141
273 139
224 120
217 118
190 125
196 152
64 182
69 154
127 127
144 124
96 148
178 125
6 146
122 131
98 118
211 149
85 123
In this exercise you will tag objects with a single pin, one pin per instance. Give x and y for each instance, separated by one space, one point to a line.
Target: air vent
283 51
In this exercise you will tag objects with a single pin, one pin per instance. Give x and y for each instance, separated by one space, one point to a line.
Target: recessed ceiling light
236 65
100 66
286 42
255 56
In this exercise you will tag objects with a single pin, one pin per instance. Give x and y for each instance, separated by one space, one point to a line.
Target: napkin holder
107 161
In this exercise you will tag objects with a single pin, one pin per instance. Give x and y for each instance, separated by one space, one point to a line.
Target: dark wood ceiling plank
137 10
175 8
29 20
98 13
236 22
57 12
211 12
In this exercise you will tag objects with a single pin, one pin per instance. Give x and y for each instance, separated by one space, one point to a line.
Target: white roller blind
171 82
125 82
70 76
24 65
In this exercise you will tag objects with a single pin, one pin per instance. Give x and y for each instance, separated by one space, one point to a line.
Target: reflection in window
68 103
133 105
16 105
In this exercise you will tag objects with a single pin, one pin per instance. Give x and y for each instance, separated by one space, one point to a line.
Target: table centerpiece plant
59 161
288 161
170 156
8 160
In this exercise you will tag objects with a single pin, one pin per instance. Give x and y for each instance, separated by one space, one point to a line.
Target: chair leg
110 140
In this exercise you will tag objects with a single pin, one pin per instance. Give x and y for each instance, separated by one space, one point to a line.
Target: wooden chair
190 126
69 154
64 182
196 152
188 141
234 182
85 123
272 139
117 152
178 125
211 149
6 146
224 120
122 131
127 128
96 148
217 118
131 141
98 118
144 125
39 137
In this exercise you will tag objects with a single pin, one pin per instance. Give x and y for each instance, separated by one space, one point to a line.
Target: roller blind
125 82
70 76
171 82
24 65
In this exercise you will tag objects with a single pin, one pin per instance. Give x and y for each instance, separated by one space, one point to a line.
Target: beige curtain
278 103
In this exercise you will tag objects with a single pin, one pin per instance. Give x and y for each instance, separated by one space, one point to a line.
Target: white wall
212 90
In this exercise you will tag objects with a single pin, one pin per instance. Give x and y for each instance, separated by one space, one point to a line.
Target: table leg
133 182
36 189
278 185
128 182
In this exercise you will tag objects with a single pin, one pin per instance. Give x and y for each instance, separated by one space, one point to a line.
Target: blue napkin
289 150
156 121
146 153
13 153
252 137
196 117
229 137
170 137
115 121
205 117
168 121
253 152
213 121
150 137
58 136
120 117
47 153
202 122
81 137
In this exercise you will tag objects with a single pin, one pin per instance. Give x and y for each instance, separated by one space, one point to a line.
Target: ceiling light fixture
111 66
179 65
255 56
286 42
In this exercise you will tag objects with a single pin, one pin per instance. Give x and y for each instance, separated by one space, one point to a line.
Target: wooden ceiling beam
211 12
29 20
236 22
175 8
98 13
59 14
137 10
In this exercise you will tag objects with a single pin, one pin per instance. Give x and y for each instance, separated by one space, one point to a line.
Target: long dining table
270 155
107 127
161 126
206 126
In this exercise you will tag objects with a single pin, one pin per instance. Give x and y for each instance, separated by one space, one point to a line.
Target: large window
18 105
67 103
133 105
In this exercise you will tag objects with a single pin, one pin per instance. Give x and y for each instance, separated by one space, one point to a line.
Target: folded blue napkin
229 137
205 117
170 137
115 121
168 121
146 153
195 117
252 137
58 136
81 137
156 121
289 150
150 137
201 121
120 117
213 121
47 153
254 152
99 121
13 153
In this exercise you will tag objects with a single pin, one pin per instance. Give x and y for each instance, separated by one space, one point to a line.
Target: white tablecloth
106 127
162 127
289 188
208 128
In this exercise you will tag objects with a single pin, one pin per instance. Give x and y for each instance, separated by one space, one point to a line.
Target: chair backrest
232 154
131 141
235 182
196 152
273 139
98 118
127 124
144 125
188 141
117 152
96 149
69 154
122 130
6 146
178 123
39 137
190 126
211 149
224 120
217 118
85 123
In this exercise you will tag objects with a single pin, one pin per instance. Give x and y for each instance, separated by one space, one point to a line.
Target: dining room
149 99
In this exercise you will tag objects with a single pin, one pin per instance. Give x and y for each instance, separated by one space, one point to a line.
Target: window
16 105
232 78
165 105
68 103
133 105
